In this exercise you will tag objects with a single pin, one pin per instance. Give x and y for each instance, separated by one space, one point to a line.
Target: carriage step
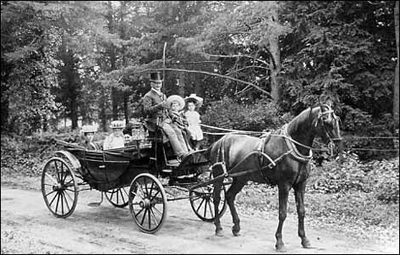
173 162
187 176
166 171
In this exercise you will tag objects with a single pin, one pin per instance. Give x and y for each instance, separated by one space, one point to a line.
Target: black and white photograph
199 127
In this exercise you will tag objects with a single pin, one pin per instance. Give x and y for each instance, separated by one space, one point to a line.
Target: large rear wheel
59 187
202 202
118 197
147 203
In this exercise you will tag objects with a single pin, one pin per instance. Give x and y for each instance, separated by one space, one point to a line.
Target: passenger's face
175 106
191 106
156 85
117 131
89 136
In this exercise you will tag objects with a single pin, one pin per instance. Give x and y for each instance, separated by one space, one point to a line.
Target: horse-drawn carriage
129 176
280 158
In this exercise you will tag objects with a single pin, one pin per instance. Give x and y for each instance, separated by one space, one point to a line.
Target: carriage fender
72 159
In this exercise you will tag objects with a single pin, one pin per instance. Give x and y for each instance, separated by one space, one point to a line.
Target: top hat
156 77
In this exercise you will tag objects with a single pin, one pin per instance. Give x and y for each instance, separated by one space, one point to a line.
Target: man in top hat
155 107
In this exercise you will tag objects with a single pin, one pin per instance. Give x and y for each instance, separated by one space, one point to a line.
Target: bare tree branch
208 73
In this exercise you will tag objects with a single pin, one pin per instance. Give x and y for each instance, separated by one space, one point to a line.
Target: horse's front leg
283 199
299 191
230 199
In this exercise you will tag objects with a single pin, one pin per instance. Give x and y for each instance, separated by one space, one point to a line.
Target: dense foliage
89 60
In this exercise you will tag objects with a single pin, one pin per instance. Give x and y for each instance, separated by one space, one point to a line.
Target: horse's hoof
235 231
280 247
219 232
306 243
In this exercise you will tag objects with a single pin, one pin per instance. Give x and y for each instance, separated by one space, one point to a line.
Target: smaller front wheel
117 197
147 203
202 202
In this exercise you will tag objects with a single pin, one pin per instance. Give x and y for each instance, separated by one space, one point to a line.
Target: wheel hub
145 203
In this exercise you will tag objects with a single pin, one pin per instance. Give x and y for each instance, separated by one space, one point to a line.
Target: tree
343 50
396 75
27 64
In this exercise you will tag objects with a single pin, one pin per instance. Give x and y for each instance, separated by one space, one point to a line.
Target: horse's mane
301 118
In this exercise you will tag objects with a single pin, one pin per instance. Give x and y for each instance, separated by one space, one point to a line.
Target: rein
289 142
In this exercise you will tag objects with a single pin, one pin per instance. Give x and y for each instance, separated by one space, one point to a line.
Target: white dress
112 142
193 119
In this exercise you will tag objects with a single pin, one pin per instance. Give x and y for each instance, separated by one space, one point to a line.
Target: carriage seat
157 135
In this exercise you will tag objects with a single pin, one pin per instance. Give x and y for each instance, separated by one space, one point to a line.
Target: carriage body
128 176
110 169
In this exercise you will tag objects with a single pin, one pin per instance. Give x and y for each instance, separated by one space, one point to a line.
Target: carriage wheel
59 187
147 203
118 197
202 202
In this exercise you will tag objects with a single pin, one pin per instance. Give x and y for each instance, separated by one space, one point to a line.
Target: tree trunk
74 115
275 52
126 107
396 75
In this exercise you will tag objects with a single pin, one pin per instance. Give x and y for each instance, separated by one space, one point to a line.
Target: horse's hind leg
230 199
217 199
283 199
299 191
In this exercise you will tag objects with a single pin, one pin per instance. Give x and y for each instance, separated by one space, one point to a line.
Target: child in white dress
193 119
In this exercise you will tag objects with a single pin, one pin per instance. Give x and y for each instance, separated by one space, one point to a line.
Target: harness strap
296 154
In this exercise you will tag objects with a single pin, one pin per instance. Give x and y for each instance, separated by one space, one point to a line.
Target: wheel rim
59 188
202 202
147 203
118 197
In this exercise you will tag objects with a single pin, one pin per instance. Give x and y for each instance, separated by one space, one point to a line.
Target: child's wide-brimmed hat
194 98
177 98
117 124
88 129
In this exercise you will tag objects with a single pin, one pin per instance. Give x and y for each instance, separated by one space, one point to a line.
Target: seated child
193 119
178 121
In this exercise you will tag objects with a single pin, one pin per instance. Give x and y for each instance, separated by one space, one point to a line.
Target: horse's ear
320 103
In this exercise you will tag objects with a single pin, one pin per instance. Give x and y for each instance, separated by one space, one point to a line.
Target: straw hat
177 98
117 124
88 129
195 98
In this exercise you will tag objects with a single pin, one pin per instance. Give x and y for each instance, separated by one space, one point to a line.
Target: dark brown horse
279 159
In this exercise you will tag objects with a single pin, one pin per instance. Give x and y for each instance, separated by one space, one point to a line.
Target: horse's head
327 127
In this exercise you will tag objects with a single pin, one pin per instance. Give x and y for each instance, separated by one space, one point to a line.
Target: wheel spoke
58 201
198 208
210 208
154 216
154 196
51 178
144 217
55 195
66 201
136 214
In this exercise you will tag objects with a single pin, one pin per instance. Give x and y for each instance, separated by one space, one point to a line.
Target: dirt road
28 227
